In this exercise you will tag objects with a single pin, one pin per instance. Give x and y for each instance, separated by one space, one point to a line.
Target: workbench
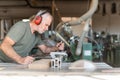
16 71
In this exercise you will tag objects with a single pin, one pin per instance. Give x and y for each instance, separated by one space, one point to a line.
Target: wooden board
40 64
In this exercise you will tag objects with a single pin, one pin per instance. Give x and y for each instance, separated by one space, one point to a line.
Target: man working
23 37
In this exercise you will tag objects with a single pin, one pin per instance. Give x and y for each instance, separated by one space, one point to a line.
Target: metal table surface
16 70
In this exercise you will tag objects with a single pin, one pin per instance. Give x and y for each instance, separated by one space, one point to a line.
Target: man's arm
45 49
6 47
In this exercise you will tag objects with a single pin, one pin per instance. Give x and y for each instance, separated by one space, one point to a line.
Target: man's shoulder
21 23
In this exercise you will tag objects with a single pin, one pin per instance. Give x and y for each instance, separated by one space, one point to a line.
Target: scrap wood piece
40 64
116 70
2 68
83 64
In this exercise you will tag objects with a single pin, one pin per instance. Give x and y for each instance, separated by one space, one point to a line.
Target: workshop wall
107 17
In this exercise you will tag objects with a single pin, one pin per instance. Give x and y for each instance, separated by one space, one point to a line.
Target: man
23 36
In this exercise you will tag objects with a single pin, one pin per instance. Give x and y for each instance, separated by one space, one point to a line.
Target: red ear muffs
38 20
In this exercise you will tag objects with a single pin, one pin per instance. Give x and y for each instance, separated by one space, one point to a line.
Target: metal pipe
84 18
88 15
58 35
81 40
2 35
93 7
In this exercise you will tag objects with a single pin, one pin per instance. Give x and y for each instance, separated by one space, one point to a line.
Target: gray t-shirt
24 40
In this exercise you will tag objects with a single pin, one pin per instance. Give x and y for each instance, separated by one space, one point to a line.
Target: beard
40 32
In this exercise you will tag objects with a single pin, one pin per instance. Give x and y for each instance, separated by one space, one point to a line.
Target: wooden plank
40 64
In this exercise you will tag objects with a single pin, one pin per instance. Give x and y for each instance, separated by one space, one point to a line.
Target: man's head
42 21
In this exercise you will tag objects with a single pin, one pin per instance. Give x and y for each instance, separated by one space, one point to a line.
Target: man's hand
26 60
46 49
60 45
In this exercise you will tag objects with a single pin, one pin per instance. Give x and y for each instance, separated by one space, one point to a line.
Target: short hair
40 13
32 17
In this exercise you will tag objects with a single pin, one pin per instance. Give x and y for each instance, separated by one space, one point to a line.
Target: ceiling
25 8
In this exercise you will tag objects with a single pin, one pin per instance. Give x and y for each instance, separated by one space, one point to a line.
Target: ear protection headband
38 18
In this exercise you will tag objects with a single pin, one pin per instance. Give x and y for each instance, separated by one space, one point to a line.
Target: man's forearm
10 52
51 49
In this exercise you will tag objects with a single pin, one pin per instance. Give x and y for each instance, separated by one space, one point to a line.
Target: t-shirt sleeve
17 31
